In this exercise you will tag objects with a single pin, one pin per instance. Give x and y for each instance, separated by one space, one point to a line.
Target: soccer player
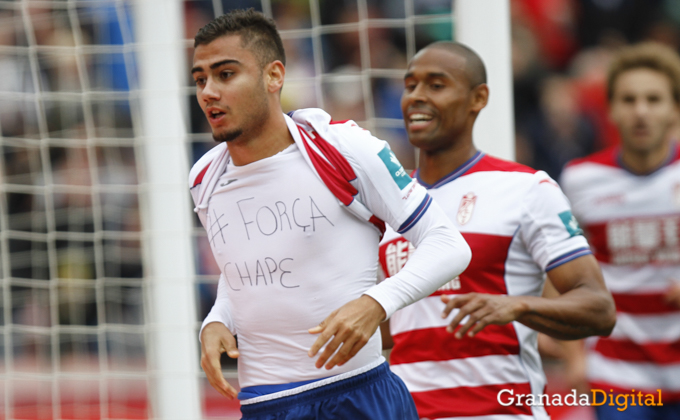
628 199
476 336
294 208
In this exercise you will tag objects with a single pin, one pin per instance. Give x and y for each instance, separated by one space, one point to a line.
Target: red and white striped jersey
518 224
633 224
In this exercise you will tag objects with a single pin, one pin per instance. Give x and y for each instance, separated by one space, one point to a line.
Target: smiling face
643 109
230 88
438 101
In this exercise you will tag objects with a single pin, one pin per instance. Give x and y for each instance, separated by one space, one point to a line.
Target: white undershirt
290 255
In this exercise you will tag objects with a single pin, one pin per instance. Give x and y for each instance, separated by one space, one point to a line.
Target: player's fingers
468 310
483 322
343 354
461 314
330 349
324 324
348 350
210 362
472 319
483 317
229 346
453 302
232 394
327 329
323 338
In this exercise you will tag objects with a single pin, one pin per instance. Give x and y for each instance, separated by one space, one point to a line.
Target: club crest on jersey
467 205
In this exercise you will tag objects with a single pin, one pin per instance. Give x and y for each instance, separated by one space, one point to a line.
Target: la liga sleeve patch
570 223
399 175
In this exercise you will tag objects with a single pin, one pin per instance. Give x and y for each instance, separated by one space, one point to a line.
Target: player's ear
480 97
274 73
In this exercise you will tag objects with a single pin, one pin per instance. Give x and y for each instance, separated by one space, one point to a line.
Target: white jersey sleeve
220 311
549 230
387 190
441 254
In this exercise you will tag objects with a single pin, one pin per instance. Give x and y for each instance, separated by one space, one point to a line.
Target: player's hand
352 325
215 340
673 295
483 310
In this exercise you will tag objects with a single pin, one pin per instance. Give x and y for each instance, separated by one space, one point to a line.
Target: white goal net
98 127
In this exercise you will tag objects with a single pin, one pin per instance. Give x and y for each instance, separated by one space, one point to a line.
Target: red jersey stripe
339 186
490 163
643 303
334 157
607 157
199 177
658 353
479 401
485 274
492 340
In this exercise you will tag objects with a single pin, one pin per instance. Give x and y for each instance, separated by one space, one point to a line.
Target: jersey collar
672 157
456 173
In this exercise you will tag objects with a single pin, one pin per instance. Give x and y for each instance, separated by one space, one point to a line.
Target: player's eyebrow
431 75
216 65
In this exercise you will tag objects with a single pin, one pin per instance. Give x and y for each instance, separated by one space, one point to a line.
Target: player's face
230 88
436 99
643 109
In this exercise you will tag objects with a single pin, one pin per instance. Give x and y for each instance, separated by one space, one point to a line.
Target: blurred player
293 207
628 199
518 225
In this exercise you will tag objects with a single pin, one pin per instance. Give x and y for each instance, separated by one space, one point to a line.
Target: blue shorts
377 394
668 411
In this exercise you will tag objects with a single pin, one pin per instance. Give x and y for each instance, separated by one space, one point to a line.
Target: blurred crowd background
72 184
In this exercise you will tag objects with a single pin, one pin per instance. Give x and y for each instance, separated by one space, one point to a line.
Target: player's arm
441 252
583 308
554 239
216 338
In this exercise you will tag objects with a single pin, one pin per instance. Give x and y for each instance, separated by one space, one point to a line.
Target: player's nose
416 95
209 92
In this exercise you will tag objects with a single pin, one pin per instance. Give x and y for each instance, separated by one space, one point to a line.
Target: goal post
167 221
485 27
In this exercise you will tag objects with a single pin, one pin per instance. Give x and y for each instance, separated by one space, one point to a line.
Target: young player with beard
628 199
519 227
294 207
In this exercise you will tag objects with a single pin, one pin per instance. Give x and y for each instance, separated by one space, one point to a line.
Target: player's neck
645 162
433 166
270 140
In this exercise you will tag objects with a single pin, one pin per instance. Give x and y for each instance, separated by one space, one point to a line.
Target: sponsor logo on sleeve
570 223
399 174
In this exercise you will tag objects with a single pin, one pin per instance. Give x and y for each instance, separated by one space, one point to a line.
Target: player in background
518 225
628 200
294 207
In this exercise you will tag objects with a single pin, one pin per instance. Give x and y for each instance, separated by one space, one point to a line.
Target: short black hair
258 33
474 66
